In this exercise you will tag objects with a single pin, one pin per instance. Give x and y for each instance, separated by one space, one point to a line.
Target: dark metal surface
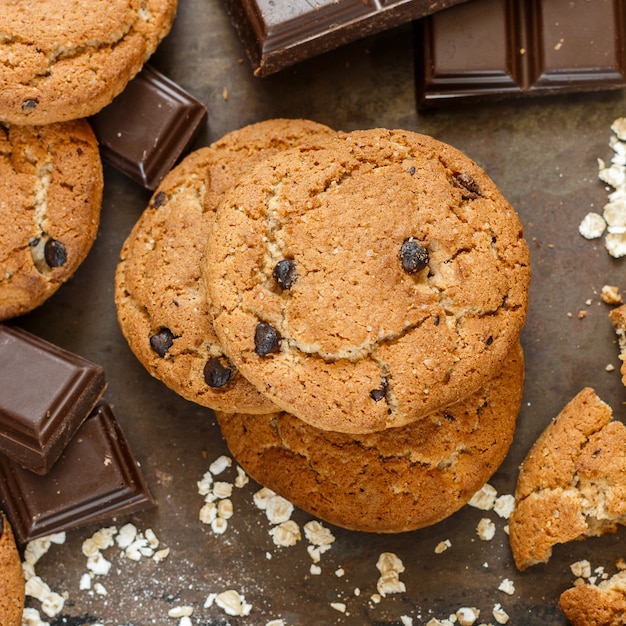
542 153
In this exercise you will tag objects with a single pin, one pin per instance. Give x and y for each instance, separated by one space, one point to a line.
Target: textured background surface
542 153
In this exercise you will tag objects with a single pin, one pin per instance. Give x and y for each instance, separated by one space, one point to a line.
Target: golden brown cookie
160 298
396 480
572 483
596 605
65 60
50 198
618 319
11 577
367 282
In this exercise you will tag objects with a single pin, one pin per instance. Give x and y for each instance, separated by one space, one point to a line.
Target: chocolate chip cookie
367 282
396 480
50 198
160 297
12 590
70 58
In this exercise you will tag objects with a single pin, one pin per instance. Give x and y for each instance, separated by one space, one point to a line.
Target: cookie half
69 59
365 283
50 199
12 591
160 297
397 480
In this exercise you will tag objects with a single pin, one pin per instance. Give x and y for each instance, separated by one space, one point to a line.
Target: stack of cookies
64 62
349 304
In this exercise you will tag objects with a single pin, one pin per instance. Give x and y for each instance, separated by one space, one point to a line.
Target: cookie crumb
442 546
610 295
507 586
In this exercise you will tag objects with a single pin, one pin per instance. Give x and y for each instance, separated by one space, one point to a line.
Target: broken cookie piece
618 319
572 484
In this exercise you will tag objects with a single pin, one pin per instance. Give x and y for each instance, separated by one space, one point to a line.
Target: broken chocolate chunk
379 394
284 273
162 341
30 104
266 339
55 253
159 199
470 187
414 256
216 374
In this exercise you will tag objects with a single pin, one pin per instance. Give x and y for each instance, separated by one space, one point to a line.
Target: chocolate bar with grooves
96 478
495 48
277 34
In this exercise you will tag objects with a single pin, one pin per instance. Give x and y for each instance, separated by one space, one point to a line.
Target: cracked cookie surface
12 591
396 480
164 314
50 199
572 483
408 279
64 60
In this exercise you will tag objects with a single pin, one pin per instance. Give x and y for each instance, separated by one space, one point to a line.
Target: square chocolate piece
96 478
148 127
46 394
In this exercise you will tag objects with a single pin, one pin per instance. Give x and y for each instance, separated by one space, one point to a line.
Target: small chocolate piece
414 256
470 187
279 34
55 253
494 48
379 394
285 273
96 478
216 374
162 341
46 393
266 339
145 130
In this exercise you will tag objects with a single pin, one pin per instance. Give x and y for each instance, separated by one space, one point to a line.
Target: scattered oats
500 615
180 611
390 582
98 564
592 226
208 512
225 93
582 314
286 534
614 175
389 562
276 622
619 127
315 570
504 505
581 568
85 582
484 498
507 587
242 478
615 244
442 546
375 598
278 509
614 214
153 541
225 508
610 367
406 620
204 485
222 489
220 464
161 555
357 591
436 622
100 589
219 525
232 603
319 536
31 617
339 572
210 599
467 616
126 535
137 549
185 621
104 538
51 602
262 497
486 529
338 606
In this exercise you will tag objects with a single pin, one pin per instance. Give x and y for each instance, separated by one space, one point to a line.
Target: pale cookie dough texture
12 591
572 483
393 481
618 319
160 297
50 199
67 59
367 282
603 604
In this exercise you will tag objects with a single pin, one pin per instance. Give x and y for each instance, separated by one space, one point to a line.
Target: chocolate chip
55 253
159 199
379 394
436 320
266 339
469 186
216 374
30 104
489 340
162 341
412 171
414 256
284 273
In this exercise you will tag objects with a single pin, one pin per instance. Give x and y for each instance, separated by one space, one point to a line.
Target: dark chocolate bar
490 48
96 478
45 395
278 34
148 127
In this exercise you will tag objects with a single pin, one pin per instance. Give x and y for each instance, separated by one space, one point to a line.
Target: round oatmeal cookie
12 590
50 198
396 480
65 60
368 282
160 297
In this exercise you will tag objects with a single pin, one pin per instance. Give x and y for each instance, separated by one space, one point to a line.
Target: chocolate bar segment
96 478
496 48
45 395
278 34
148 127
